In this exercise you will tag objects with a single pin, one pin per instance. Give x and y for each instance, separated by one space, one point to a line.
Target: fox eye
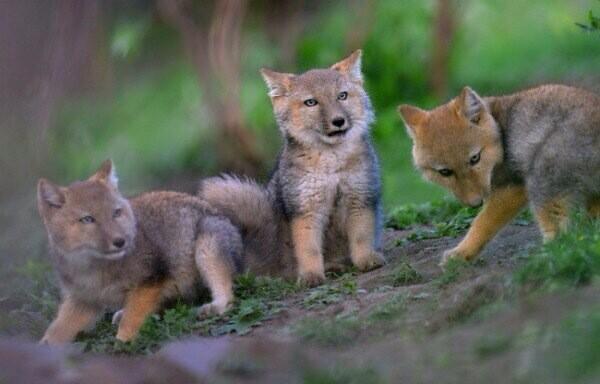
310 102
342 96
117 213
475 158
87 219
445 172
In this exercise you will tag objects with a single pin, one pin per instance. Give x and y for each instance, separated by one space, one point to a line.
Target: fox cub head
456 145
321 106
88 219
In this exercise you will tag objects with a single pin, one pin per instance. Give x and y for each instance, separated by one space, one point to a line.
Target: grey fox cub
323 199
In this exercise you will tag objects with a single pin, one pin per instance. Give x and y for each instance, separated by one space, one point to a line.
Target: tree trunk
442 40
216 55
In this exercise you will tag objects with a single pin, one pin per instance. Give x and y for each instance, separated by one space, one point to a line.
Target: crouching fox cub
323 200
113 253
541 145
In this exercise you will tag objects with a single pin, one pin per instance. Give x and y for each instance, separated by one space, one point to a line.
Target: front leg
361 229
307 237
72 318
139 304
501 207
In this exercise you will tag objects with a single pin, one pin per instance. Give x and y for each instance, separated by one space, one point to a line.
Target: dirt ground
408 322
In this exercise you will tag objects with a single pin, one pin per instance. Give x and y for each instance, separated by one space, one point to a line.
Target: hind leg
552 216
218 250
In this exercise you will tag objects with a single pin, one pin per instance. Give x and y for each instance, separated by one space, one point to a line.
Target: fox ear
49 195
106 174
470 105
351 66
413 117
278 83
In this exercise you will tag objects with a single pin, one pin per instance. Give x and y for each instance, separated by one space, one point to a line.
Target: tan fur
72 318
361 224
542 142
307 238
111 252
500 208
216 274
139 304
553 217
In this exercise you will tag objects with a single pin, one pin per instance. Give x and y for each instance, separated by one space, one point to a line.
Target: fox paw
311 279
212 309
116 318
373 261
455 254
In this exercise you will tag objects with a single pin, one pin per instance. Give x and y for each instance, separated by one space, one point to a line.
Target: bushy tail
249 206
245 202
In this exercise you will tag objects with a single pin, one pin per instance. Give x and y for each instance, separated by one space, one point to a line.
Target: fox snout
338 126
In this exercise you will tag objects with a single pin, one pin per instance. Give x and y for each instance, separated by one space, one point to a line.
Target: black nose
338 122
119 242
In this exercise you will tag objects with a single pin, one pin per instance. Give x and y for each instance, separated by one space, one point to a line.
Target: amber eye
342 96
310 102
475 159
87 219
445 172
117 213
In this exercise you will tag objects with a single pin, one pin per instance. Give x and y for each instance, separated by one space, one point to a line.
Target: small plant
388 310
331 293
453 269
572 259
594 23
405 274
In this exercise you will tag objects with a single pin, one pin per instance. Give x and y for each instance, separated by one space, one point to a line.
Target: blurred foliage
594 23
152 123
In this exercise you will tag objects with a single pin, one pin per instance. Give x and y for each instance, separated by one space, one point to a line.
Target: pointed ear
351 66
49 195
413 117
471 105
278 83
106 174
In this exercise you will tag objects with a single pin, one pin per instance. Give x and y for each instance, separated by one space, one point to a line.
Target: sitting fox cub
541 145
323 198
113 253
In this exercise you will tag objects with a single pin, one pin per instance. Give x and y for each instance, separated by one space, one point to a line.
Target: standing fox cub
323 200
541 145
113 253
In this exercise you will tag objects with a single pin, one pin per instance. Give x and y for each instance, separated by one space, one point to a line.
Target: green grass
333 331
405 274
388 310
453 269
571 260
332 292
257 298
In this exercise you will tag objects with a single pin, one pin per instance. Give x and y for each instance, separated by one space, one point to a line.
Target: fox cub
541 145
323 198
113 253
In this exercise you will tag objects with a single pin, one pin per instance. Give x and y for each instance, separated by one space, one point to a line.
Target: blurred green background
154 120
150 105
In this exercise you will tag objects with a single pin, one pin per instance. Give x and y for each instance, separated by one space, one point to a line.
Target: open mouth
114 255
340 132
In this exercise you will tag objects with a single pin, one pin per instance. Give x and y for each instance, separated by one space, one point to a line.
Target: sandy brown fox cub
323 199
113 253
541 145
